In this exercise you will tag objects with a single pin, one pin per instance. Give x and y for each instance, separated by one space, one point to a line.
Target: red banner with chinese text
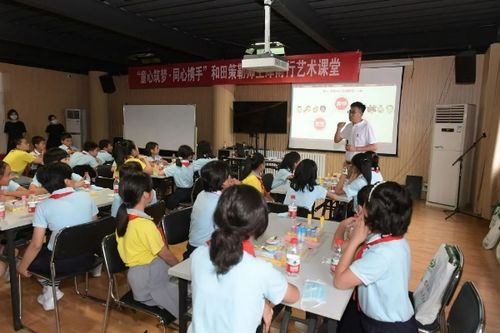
308 68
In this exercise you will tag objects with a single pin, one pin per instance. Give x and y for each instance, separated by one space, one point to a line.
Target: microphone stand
460 160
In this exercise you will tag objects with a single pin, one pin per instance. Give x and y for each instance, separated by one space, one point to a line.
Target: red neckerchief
359 254
60 195
185 163
247 247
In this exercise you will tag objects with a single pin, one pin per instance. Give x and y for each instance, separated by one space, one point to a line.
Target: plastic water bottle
116 185
31 203
337 254
2 211
24 201
293 258
292 208
86 180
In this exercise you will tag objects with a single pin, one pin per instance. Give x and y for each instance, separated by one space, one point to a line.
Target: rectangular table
311 268
16 221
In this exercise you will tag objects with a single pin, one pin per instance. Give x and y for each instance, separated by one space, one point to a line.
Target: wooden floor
428 230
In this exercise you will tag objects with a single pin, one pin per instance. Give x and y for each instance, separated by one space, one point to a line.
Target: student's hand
360 231
267 316
340 125
350 147
23 271
290 177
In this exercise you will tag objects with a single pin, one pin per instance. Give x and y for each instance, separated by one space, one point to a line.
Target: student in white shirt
304 186
105 153
67 143
232 290
64 208
183 172
381 267
215 177
86 157
9 189
281 180
152 151
38 144
203 154
54 155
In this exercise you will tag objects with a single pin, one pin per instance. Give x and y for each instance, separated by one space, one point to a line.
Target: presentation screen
168 125
317 108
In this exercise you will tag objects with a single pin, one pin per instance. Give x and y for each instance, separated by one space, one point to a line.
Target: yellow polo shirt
116 173
254 181
18 160
141 243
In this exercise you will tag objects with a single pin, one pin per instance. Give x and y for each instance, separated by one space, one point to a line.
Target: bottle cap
292 197
339 241
293 240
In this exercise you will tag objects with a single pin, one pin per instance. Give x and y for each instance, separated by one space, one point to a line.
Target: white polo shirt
305 198
82 158
183 176
11 186
233 302
359 135
104 156
202 218
281 181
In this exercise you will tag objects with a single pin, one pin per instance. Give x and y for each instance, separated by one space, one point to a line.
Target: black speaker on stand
107 84
465 67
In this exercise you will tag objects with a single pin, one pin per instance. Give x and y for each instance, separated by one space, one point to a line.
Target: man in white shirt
359 134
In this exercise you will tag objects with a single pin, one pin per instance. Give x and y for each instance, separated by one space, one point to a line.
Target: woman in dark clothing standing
14 128
54 131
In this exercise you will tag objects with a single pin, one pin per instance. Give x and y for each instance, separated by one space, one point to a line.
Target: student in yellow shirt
19 158
252 174
127 151
142 247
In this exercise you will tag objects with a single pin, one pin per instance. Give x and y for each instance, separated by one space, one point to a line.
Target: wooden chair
115 265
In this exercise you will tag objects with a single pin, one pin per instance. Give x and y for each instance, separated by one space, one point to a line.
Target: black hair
389 209
52 175
19 140
89 146
359 105
289 161
54 155
104 143
305 176
363 164
12 111
51 116
131 189
374 159
3 166
185 152
213 175
149 146
362 196
129 168
37 139
252 163
204 150
241 213
65 136
122 150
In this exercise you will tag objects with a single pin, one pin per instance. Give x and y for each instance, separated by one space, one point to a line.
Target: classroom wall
35 93
201 96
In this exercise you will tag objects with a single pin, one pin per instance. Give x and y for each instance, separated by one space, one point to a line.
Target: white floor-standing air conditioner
454 131
76 125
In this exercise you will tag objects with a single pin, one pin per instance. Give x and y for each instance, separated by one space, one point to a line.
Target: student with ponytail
142 247
233 290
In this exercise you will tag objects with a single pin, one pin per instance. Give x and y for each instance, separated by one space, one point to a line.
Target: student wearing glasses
358 133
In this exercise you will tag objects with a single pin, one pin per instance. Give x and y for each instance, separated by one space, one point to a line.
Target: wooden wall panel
35 93
201 96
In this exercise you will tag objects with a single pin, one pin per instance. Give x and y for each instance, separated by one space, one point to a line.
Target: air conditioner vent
450 114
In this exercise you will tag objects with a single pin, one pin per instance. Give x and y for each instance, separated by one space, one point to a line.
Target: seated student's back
86 157
203 155
281 180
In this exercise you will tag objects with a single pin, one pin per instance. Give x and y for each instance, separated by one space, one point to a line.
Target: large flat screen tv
260 117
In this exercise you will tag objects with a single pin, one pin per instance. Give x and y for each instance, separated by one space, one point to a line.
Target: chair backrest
197 188
104 182
457 274
82 239
467 312
156 211
176 225
104 171
81 169
112 259
267 180
275 207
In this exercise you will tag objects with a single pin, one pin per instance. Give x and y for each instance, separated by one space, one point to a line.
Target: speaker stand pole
460 160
